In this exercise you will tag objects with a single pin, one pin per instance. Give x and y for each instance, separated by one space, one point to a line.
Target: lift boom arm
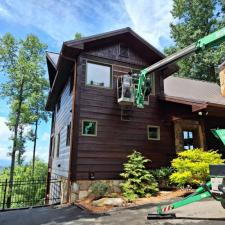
203 43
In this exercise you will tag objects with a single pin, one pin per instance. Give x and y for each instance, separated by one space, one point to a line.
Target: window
89 128
188 139
124 50
68 135
98 75
58 105
58 145
153 132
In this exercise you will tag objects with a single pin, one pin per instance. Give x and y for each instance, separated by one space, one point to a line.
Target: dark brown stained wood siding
105 154
112 52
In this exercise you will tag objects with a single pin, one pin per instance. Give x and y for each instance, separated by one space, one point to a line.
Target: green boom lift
202 44
216 186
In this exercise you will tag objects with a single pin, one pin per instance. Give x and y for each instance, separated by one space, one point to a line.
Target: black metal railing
27 193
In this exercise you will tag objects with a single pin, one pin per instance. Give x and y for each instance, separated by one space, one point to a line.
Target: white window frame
158 132
100 64
96 128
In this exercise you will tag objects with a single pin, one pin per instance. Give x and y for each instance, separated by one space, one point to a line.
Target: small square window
153 132
89 128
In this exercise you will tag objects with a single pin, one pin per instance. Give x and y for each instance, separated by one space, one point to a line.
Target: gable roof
195 91
120 33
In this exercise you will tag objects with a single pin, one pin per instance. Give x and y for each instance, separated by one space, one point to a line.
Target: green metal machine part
210 40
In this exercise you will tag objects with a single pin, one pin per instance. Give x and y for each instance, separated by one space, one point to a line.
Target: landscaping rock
108 202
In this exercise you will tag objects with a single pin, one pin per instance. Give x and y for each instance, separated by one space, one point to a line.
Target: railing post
4 196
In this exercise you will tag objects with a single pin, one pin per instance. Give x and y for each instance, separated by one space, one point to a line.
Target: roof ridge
187 78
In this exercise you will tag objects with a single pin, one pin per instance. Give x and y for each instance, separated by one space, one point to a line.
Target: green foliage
162 176
22 62
24 190
99 189
78 36
138 181
192 166
194 20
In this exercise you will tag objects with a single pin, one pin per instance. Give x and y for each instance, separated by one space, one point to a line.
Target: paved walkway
208 212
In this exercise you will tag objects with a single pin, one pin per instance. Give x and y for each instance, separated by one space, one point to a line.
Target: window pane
98 75
153 132
89 128
190 134
185 134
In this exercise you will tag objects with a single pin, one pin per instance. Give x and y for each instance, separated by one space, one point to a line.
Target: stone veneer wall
81 188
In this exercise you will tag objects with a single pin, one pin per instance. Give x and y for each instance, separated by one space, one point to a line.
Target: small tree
192 166
138 180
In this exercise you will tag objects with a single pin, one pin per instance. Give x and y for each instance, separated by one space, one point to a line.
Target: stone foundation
81 188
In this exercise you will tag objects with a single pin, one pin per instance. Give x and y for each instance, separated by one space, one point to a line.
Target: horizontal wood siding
60 164
105 153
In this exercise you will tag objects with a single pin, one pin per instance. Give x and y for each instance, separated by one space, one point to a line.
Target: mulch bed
162 196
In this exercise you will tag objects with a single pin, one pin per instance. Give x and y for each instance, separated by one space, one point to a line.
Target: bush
192 166
139 182
162 176
99 189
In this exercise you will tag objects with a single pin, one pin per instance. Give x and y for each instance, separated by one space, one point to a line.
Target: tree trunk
34 147
13 156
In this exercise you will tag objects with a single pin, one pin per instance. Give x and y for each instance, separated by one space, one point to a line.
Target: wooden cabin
92 134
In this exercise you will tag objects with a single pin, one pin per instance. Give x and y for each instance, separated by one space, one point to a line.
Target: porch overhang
209 109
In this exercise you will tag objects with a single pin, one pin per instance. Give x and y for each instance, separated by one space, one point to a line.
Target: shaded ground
205 212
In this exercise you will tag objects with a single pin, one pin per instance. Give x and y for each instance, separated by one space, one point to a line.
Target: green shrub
138 181
192 166
162 176
99 189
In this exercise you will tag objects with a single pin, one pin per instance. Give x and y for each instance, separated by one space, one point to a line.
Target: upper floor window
98 75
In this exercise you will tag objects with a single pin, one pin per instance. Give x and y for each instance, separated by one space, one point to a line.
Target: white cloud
45 136
150 19
4 130
61 19
4 152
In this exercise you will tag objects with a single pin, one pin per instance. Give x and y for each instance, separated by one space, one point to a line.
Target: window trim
101 64
96 129
188 145
158 132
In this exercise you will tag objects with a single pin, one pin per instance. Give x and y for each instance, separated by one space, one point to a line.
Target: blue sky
55 21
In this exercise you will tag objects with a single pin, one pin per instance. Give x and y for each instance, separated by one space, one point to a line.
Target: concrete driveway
205 212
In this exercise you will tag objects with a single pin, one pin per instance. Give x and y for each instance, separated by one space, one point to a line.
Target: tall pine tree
195 19
21 62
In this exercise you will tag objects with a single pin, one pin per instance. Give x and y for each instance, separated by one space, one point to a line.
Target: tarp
219 133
